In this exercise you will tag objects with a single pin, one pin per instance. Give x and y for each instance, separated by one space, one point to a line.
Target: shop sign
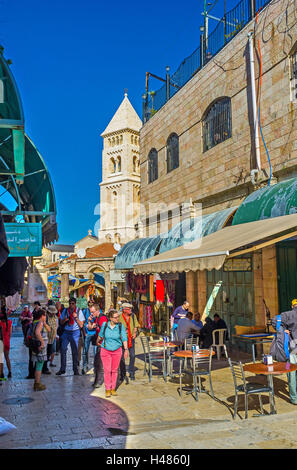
24 239
117 276
238 264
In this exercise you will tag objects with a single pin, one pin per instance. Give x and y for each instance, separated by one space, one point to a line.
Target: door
235 299
286 274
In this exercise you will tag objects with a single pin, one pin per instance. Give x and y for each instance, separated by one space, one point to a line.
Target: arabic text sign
24 239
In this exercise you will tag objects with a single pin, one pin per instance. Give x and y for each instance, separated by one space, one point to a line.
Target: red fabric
160 291
128 323
71 318
6 337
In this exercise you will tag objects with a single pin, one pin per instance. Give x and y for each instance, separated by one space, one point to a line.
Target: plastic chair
248 388
153 354
222 333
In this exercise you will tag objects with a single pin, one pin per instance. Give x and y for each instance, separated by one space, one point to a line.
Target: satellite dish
81 253
117 246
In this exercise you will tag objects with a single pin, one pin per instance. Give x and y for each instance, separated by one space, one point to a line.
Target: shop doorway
180 290
286 253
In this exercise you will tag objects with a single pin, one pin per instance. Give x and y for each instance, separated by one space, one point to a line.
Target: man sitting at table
186 327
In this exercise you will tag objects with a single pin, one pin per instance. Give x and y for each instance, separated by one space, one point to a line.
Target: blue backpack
279 349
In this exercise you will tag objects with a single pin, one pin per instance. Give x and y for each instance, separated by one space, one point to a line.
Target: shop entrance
235 299
286 274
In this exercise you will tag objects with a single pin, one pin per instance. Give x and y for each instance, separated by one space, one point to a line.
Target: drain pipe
254 102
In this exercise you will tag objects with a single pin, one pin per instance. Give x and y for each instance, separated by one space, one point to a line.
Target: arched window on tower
217 123
172 149
135 164
113 166
152 165
119 162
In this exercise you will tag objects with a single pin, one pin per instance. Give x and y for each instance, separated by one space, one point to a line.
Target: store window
172 152
217 125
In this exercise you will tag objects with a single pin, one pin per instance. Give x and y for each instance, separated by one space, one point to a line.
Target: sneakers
60 372
83 371
38 387
2 378
127 380
132 377
96 385
114 393
76 373
9 375
107 393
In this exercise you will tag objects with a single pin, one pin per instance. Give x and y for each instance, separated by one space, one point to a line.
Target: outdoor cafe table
255 338
277 368
187 354
170 344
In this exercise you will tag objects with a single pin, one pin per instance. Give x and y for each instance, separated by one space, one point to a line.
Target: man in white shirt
73 320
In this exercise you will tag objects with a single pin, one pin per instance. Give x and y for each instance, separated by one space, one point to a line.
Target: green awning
268 202
11 109
136 251
191 229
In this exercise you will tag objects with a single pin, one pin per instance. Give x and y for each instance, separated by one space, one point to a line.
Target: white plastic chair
221 333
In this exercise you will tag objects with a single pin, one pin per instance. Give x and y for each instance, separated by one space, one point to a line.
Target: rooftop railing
227 28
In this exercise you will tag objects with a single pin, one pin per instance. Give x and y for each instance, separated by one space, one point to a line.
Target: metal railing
229 26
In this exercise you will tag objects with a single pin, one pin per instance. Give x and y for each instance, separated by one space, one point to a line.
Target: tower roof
125 118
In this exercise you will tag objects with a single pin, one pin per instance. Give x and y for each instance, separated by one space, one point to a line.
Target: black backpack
30 341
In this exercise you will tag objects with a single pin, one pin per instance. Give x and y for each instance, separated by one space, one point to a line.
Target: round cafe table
188 354
277 368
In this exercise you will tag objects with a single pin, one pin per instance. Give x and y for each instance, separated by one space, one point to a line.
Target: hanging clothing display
160 291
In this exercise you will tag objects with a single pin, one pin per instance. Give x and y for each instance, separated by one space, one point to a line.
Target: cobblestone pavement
69 414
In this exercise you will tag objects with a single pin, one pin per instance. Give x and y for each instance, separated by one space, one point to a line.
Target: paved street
70 415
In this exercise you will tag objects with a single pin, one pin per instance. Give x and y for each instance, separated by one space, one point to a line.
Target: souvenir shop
154 297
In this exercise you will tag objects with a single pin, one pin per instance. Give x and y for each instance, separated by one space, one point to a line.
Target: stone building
200 150
120 186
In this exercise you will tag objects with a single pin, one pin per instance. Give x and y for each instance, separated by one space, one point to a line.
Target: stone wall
220 177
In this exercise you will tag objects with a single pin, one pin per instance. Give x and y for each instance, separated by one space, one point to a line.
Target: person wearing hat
52 321
289 323
130 322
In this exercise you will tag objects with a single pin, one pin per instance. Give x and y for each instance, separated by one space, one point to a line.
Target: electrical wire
260 127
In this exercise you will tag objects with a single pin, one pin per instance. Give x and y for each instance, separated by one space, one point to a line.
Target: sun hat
127 305
52 309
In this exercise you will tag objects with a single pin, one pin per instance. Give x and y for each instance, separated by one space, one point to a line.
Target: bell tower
120 186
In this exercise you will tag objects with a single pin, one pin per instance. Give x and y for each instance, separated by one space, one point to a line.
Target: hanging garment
13 301
160 291
151 288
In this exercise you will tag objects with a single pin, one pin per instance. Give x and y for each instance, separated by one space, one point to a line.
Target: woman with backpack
113 336
39 333
6 326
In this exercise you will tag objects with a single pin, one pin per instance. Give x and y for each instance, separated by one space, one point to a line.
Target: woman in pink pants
114 338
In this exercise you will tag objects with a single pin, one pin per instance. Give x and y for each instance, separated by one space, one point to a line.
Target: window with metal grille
152 165
217 124
294 75
172 152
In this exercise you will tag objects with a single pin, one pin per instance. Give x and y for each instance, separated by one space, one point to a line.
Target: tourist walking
113 337
52 321
26 318
89 333
72 319
6 326
60 307
40 331
131 325
95 323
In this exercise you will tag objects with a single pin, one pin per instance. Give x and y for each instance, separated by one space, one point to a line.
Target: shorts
1 351
39 365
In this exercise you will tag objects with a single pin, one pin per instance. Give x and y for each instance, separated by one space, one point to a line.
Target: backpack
30 341
97 331
279 349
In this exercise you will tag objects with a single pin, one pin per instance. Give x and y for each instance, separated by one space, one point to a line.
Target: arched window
113 166
293 77
172 152
217 123
135 164
119 164
152 165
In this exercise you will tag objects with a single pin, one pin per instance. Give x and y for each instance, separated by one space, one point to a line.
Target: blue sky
72 61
